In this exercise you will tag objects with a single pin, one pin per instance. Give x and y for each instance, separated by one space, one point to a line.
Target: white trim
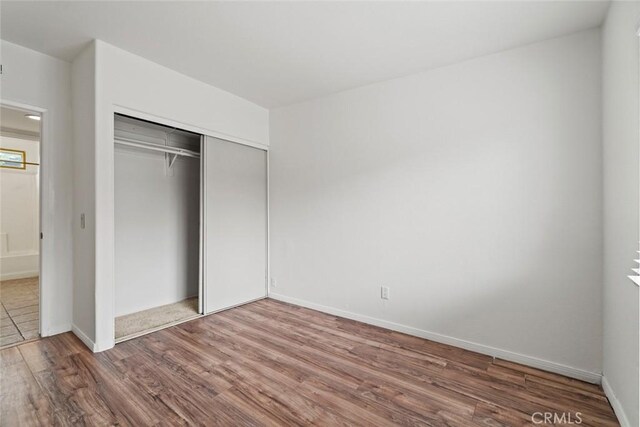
103 346
19 275
569 371
191 128
267 284
203 230
234 306
83 337
47 284
30 259
615 403
94 347
60 329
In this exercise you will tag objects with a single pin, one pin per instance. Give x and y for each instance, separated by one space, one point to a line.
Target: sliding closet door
201 244
235 235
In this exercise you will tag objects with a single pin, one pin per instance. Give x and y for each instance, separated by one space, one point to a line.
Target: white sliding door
235 232
201 243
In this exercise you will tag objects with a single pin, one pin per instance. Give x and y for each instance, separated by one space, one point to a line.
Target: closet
190 225
235 213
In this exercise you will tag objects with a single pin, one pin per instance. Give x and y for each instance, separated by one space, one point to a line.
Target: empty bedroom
355 213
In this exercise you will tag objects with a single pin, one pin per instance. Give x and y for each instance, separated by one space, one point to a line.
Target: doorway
20 148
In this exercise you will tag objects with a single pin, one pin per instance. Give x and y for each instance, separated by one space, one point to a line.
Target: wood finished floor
270 363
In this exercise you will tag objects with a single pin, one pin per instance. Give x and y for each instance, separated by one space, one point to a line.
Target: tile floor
19 310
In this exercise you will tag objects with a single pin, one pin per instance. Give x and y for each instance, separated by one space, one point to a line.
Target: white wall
157 230
19 213
157 226
32 79
473 191
84 132
129 84
621 188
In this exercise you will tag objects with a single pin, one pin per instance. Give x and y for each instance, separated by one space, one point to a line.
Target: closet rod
154 147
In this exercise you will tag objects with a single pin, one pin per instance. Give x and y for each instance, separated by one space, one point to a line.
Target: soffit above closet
279 53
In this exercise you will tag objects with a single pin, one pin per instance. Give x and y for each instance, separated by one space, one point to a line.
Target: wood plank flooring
271 364
19 310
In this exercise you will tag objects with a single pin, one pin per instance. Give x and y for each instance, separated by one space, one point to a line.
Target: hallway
19 310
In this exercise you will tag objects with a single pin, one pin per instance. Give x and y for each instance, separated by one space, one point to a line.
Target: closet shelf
155 147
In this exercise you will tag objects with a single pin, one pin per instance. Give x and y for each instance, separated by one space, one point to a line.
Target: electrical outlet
274 283
384 292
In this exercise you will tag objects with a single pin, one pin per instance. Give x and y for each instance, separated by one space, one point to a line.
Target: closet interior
158 216
191 221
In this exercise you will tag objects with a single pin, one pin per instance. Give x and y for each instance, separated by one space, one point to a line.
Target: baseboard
84 338
235 305
19 265
19 275
55 330
103 346
615 403
534 362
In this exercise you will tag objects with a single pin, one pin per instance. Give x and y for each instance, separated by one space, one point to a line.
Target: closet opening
158 217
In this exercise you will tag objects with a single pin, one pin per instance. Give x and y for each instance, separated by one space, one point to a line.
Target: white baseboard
534 362
19 265
84 338
19 275
615 403
103 346
55 330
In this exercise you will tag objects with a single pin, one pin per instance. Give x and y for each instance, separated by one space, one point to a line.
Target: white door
235 226
202 230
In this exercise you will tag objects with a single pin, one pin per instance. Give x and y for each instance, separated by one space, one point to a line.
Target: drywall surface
84 131
157 215
32 79
19 212
127 80
129 84
472 191
621 188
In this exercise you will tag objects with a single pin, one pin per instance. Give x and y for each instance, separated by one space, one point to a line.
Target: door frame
45 216
203 229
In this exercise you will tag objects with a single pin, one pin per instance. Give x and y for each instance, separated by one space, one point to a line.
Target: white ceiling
15 120
278 53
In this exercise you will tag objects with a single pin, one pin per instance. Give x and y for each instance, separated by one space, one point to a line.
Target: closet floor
136 324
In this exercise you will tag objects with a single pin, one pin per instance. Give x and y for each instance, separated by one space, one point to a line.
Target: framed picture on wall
12 159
